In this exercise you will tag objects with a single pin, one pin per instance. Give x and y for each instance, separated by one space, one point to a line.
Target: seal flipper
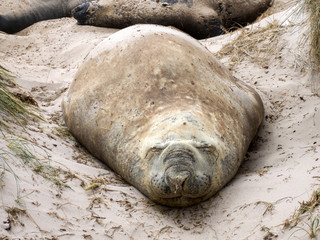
13 23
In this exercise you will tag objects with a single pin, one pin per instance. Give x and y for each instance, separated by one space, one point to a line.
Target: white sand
281 170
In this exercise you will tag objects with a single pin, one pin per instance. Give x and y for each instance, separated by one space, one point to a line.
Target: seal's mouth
176 177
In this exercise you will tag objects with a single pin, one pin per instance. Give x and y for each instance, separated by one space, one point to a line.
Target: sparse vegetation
312 229
312 10
36 158
63 132
257 45
309 206
306 210
26 151
10 106
17 147
14 215
32 155
313 7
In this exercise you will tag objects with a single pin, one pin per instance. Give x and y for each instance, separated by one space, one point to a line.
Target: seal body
37 10
161 111
199 18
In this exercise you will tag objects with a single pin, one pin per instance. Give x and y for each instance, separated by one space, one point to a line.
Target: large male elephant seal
161 111
200 18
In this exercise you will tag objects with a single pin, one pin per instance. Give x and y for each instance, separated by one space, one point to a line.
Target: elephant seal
158 108
199 18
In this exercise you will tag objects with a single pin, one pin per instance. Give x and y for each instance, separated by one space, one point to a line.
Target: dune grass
14 112
312 10
313 7
307 211
255 45
310 205
12 108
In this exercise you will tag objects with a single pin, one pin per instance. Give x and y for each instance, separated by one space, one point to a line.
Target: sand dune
86 200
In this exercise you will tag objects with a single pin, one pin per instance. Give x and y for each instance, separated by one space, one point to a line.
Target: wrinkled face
183 160
182 170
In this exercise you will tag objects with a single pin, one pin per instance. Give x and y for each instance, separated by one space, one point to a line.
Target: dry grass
258 46
309 206
11 107
306 210
313 9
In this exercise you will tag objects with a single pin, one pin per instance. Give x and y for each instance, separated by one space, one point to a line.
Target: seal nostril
176 180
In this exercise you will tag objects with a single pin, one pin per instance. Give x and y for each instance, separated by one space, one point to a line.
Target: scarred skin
157 107
199 18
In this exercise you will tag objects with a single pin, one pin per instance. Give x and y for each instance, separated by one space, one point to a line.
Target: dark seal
199 18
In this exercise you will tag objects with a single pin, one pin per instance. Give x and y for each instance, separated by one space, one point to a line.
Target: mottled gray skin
161 111
199 18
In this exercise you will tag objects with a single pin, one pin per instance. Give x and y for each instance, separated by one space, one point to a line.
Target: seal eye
154 150
208 148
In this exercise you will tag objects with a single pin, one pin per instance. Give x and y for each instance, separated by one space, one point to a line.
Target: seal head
80 12
184 162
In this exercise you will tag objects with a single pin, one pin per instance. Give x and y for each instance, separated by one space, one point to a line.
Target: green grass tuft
312 229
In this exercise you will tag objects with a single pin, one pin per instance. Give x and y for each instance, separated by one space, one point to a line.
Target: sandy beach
84 199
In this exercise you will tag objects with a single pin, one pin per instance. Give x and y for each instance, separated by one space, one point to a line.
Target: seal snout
80 12
183 173
179 169
176 179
